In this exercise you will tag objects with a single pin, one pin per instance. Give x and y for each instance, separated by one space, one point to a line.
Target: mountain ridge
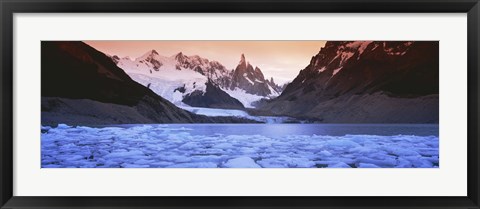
384 75
192 73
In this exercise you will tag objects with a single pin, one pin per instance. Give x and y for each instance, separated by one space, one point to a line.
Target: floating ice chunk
127 154
70 157
337 144
224 146
189 145
175 158
241 162
63 126
339 165
194 165
208 158
367 165
161 164
44 129
301 163
364 150
286 162
144 162
53 166
325 153
420 162
381 161
402 163
402 151
127 165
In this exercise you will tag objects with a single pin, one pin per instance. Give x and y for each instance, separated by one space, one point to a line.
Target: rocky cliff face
376 74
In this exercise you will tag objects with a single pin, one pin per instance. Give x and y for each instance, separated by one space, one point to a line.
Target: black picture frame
10 7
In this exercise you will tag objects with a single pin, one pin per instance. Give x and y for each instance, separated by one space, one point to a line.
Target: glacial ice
234 113
241 162
164 146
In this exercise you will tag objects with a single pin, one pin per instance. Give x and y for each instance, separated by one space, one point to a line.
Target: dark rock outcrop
213 97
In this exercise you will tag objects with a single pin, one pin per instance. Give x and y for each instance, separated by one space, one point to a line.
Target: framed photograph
239 104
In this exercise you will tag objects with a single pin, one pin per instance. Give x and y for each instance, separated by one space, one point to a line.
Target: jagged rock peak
115 59
180 57
242 59
151 54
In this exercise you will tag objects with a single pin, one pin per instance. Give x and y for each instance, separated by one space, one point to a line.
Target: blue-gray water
279 130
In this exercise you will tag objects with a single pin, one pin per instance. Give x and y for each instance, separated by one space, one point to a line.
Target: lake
242 146
278 130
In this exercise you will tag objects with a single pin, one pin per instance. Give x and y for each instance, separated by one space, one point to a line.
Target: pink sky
281 60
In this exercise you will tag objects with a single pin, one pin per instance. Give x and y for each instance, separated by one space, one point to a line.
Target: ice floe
164 146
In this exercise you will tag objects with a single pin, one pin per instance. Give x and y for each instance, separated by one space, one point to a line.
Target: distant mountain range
81 85
199 82
345 82
365 81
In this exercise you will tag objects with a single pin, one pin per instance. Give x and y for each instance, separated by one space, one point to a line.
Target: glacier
184 146
235 113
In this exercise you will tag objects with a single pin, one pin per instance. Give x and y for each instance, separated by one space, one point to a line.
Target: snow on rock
248 79
170 88
399 50
245 98
363 46
241 162
178 147
360 46
274 92
336 71
345 56
175 76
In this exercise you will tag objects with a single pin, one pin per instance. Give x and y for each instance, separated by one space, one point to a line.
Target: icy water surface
241 146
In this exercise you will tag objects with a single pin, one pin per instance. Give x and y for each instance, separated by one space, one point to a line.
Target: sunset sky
281 60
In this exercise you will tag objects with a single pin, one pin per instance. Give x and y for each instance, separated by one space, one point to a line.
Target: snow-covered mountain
252 80
196 81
